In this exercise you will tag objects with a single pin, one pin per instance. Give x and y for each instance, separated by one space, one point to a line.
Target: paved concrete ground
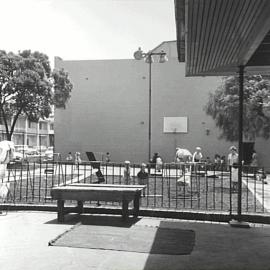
24 240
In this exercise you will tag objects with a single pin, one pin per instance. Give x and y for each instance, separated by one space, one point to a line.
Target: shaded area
218 246
97 220
141 239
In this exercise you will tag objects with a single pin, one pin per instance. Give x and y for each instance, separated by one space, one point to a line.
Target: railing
175 186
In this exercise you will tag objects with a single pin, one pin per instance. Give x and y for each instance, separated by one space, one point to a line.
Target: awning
215 37
225 37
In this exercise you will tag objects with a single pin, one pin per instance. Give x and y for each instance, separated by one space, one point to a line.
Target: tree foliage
223 106
28 86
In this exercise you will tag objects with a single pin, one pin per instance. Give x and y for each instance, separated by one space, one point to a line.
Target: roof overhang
215 37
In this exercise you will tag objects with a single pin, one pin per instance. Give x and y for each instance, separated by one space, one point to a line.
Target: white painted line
260 190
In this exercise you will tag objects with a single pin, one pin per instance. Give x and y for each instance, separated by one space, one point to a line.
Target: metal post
150 109
138 55
240 140
238 222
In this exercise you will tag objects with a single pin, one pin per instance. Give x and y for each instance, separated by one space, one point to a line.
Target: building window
2 122
42 126
32 124
20 123
51 126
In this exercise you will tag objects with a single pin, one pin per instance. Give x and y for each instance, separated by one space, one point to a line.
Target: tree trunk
9 135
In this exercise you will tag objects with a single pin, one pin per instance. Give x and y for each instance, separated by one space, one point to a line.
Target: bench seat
97 192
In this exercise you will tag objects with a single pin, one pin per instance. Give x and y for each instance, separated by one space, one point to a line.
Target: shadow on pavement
98 220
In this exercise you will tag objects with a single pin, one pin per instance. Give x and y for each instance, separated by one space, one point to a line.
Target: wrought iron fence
197 186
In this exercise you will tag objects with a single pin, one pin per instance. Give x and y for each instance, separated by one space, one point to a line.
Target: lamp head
163 58
149 59
138 55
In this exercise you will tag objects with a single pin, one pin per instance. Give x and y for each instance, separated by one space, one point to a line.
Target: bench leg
125 210
136 205
80 207
60 210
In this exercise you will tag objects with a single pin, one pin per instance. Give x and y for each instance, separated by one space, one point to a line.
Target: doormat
142 239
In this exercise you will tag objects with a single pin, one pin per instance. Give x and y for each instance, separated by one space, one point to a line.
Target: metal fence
198 186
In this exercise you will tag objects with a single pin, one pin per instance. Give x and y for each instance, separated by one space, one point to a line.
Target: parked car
25 153
49 153
17 157
32 151
21 148
41 149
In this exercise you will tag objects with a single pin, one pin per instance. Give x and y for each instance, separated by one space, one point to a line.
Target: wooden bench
97 192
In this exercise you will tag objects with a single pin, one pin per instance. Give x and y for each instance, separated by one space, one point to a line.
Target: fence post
230 189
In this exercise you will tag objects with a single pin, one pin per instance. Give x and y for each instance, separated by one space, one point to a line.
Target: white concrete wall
108 110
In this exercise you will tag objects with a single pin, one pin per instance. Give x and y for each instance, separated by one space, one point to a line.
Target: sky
86 29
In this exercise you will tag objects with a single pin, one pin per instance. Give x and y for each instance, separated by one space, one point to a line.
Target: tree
223 106
29 87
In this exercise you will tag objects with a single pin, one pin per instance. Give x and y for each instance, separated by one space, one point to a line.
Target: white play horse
182 155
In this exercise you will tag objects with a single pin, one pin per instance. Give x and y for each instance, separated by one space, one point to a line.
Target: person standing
78 159
69 157
143 177
159 163
153 160
254 159
197 156
254 164
7 150
127 177
223 163
108 157
233 165
217 162
232 156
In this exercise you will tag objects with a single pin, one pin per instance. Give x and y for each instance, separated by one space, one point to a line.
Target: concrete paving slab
25 236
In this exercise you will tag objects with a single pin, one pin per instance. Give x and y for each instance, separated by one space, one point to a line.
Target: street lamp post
138 55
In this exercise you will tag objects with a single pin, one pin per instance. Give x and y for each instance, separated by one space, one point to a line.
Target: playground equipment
188 176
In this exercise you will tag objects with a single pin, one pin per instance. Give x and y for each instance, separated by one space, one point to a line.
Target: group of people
181 155
77 158
142 175
184 155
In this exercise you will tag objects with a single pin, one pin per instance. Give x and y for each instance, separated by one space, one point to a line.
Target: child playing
69 157
142 177
234 172
127 173
78 159
159 163
108 157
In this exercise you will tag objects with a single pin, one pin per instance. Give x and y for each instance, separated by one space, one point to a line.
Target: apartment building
30 133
